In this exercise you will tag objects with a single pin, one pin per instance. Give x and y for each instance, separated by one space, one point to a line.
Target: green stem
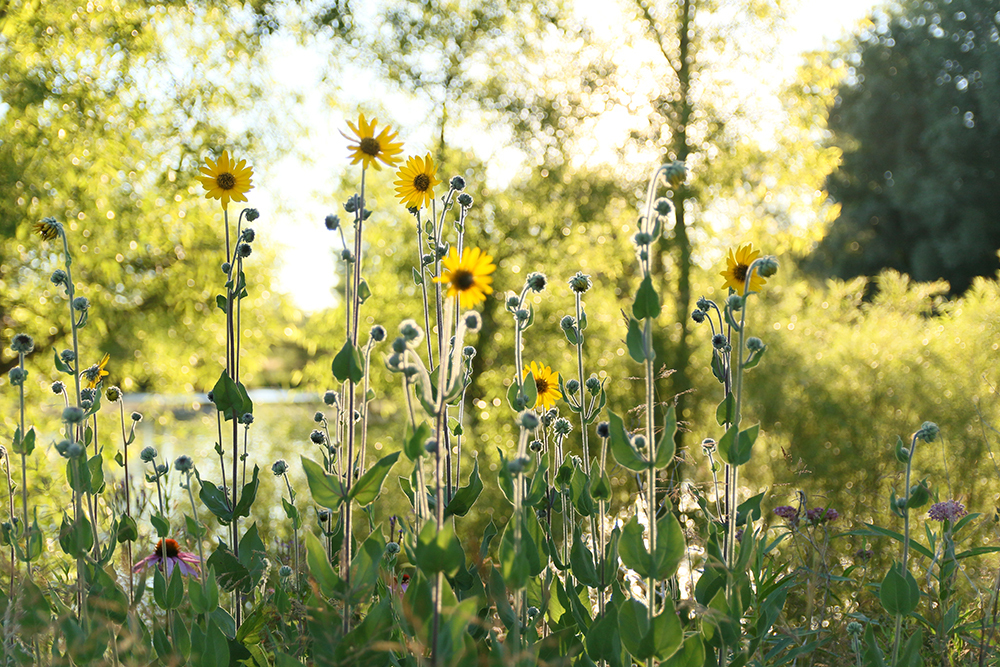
194 510
906 543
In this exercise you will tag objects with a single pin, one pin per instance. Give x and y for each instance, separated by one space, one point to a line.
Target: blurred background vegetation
870 171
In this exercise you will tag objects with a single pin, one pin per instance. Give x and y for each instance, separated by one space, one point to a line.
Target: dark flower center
463 279
169 546
541 386
370 146
422 182
226 181
740 272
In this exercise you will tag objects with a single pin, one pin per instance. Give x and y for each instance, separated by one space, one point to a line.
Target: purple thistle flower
169 553
788 513
949 510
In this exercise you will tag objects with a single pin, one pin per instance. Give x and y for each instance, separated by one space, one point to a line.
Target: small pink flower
169 553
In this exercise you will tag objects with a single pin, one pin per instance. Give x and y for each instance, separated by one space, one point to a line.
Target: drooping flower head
468 277
416 182
168 555
738 265
546 383
96 373
226 180
48 228
949 510
369 148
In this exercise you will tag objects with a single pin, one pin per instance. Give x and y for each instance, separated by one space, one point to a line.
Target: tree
919 123
102 131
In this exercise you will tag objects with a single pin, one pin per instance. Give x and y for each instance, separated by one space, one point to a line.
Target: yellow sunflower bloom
96 373
468 277
547 384
369 148
48 228
739 262
226 180
416 182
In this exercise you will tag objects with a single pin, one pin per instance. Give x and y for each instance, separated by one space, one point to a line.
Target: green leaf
633 340
726 411
228 398
600 486
603 639
128 531
24 445
643 640
666 449
414 440
248 495
466 496
366 489
96 465
514 563
78 475
161 525
647 301
899 592
579 492
347 365
204 597
319 566
417 278
737 451
216 501
581 559
439 550
873 653
621 446
327 491
488 534
669 550
210 648
364 291
62 366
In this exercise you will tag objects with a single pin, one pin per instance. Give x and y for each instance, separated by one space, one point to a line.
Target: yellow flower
226 179
547 384
370 147
468 275
48 228
416 180
96 373
739 262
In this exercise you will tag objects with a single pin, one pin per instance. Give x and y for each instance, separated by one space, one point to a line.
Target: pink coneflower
169 552
949 510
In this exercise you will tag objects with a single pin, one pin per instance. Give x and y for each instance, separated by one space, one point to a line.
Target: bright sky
294 194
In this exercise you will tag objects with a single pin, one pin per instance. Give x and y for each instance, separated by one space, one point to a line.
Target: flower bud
59 277
663 206
17 376
603 430
767 266
562 426
148 454
183 463
318 437
136 417
58 387
535 281
279 467
928 432
252 214
330 397
580 283
377 333
284 571
734 302
332 222
81 304
249 235
72 415
698 316
529 420
572 386
473 322
22 343
755 344
719 341
457 183
113 394
465 200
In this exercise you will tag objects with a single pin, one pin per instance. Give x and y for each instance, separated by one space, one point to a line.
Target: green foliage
917 121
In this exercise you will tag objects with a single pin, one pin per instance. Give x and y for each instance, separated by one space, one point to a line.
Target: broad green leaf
24 445
582 561
634 342
216 501
327 491
621 446
658 640
899 592
647 301
726 411
347 365
414 440
319 565
228 398
466 496
666 449
439 550
248 495
366 489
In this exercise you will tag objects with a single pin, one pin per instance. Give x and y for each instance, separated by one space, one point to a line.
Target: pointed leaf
366 489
